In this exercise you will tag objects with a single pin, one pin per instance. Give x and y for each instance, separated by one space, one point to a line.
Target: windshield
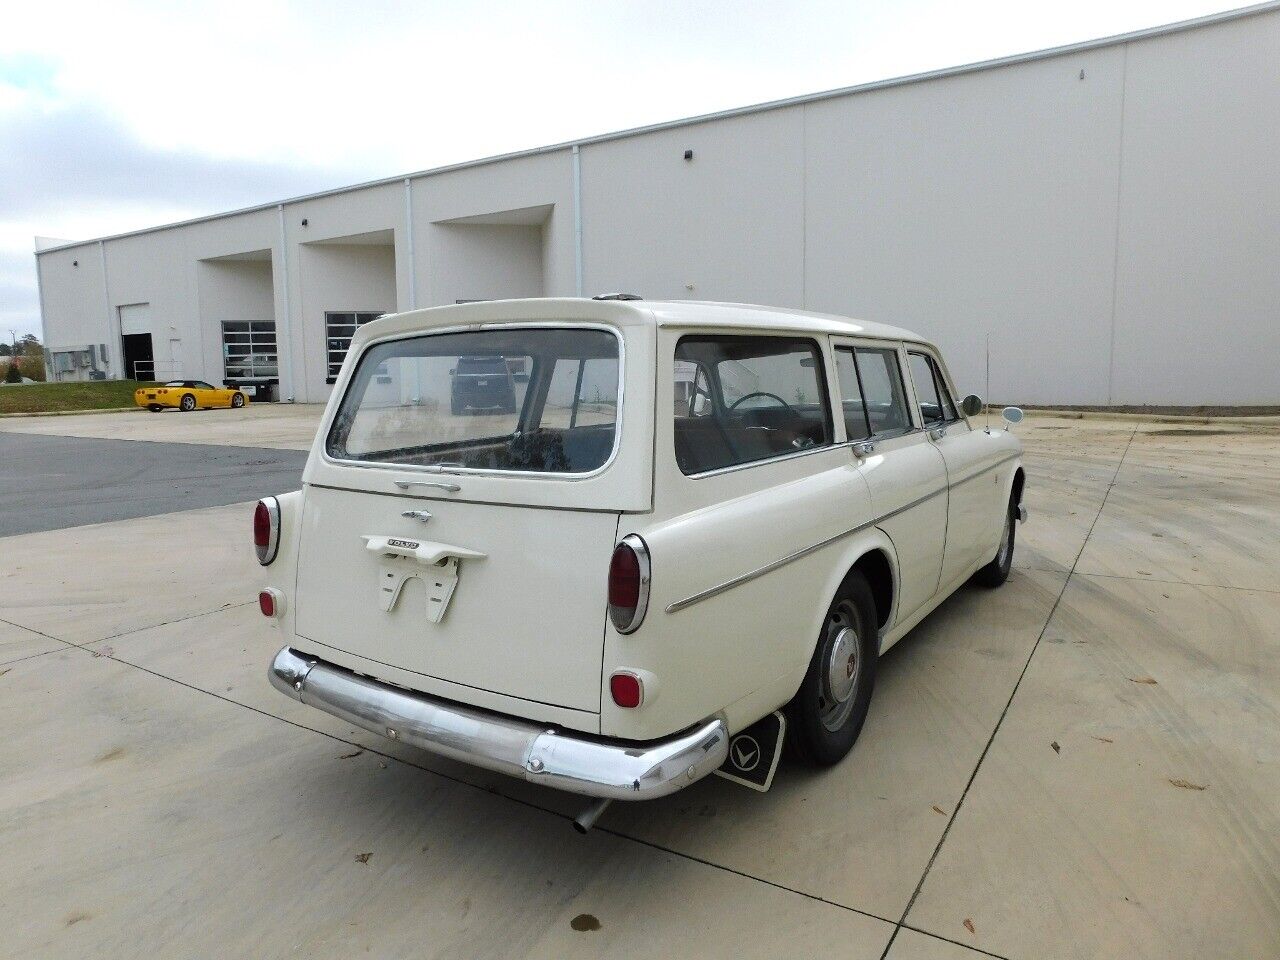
540 400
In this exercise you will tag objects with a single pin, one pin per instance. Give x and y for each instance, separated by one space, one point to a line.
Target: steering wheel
759 393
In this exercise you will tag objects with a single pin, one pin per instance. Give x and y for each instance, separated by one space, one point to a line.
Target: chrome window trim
818 345
485 471
780 458
813 548
936 372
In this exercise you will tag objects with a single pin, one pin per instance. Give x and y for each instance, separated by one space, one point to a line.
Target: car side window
931 392
883 393
740 399
857 425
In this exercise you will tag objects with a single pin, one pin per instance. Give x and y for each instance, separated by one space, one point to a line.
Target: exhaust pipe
588 817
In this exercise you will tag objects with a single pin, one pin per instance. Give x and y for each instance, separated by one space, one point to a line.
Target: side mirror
1012 415
971 405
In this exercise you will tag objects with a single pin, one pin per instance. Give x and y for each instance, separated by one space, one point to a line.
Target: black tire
237 400
997 571
155 408
822 726
187 403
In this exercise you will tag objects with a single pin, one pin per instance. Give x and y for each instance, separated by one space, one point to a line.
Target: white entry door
175 359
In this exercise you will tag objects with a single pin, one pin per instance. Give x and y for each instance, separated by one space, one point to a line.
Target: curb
1268 420
70 413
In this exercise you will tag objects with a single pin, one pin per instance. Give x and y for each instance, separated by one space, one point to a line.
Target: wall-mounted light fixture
304 221
75 263
688 154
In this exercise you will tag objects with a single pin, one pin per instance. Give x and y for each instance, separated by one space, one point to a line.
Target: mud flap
754 753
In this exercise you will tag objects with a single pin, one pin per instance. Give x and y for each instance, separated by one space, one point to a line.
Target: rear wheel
997 571
826 714
187 403
237 400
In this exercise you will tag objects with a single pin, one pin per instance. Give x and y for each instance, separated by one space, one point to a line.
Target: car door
903 469
971 485
205 394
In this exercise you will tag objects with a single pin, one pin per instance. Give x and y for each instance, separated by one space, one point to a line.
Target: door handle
863 448
406 484
937 433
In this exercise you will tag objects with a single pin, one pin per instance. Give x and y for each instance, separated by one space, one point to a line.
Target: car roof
683 314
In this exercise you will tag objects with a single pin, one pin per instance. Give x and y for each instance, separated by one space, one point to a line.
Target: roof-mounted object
617 296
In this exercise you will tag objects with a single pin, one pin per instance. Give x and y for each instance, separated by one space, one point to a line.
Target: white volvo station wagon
665 539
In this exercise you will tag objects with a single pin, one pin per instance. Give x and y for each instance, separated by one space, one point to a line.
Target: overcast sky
115 116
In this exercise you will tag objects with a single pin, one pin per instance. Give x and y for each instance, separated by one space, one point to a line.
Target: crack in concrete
955 812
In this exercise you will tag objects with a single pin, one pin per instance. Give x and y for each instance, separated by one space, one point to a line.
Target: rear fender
850 552
282 573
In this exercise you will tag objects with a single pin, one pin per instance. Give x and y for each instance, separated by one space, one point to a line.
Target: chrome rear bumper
578 763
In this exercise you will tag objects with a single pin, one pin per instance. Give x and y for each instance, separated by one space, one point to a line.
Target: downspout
577 220
114 342
408 229
413 278
285 336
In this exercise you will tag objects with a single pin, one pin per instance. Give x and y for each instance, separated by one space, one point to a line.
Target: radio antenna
987 388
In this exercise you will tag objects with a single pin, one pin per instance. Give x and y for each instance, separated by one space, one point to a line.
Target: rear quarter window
745 399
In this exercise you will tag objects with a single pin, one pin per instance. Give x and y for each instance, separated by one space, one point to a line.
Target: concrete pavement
284 425
1082 763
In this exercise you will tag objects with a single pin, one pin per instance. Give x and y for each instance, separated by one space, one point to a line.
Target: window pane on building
249 350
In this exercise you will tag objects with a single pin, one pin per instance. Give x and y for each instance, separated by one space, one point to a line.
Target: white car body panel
745 560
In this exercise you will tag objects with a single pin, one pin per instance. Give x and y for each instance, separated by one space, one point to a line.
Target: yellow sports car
187 395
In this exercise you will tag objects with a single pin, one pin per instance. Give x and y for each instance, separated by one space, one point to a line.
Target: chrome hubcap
842 663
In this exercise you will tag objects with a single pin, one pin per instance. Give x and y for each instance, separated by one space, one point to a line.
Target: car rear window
526 400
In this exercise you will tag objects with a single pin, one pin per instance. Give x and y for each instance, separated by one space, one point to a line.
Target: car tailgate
526 616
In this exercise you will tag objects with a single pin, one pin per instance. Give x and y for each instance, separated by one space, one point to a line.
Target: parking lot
1083 763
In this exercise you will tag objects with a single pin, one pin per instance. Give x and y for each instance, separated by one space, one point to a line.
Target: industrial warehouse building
1107 214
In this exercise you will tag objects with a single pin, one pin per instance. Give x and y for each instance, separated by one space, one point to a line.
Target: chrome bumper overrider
594 767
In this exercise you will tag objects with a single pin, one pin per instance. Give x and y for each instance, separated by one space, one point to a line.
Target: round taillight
628 584
626 690
266 529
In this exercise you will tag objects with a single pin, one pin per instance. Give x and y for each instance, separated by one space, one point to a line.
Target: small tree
14 375
32 368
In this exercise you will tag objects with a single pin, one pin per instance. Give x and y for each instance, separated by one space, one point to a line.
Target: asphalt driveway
53 482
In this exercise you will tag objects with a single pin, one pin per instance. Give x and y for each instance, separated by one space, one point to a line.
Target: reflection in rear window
539 400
